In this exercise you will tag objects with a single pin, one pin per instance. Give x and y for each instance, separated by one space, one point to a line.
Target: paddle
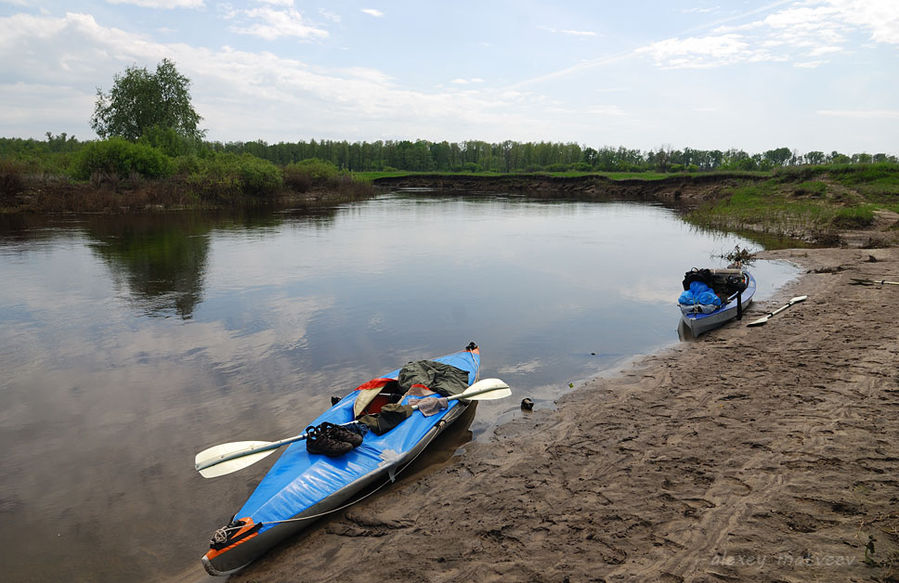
226 458
856 281
764 319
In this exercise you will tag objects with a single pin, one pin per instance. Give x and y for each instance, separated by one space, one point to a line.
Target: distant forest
477 156
509 156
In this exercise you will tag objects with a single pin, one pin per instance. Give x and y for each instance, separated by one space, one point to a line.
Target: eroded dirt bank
752 454
684 189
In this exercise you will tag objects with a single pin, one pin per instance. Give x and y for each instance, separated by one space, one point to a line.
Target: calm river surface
127 344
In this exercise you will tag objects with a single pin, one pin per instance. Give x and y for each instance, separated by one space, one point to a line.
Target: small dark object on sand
527 404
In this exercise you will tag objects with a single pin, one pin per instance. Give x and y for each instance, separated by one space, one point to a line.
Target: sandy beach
752 454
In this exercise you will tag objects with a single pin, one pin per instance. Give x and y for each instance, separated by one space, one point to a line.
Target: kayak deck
301 486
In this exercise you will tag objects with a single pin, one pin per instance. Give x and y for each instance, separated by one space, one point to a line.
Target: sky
706 74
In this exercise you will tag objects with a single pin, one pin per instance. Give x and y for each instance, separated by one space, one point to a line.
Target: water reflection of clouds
281 325
290 316
61 267
521 367
108 380
657 290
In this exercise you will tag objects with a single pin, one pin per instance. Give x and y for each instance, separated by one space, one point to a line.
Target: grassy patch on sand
808 202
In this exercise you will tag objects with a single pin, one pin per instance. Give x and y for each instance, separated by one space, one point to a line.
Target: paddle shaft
779 310
769 315
875 282
467 394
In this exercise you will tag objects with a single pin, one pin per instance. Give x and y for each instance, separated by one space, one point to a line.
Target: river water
127 344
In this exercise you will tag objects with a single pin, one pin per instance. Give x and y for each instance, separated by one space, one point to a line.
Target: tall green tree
140 100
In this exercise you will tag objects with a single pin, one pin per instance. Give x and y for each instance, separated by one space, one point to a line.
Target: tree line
470 156
510 156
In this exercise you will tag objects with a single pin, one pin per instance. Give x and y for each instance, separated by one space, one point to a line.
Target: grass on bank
797 201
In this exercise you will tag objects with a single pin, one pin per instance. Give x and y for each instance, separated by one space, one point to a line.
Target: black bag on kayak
703 275
390 416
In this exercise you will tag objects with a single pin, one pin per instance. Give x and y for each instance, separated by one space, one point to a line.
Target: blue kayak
739 286
301 487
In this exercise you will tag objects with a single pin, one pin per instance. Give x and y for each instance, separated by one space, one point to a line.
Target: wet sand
752 454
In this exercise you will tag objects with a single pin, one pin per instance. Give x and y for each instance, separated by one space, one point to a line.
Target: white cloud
801 32
328 15
271 23
881 17
569 32
373 12
466 81
37 105
164 4
702 52
804 26
67 50
882 114
824 51
700 10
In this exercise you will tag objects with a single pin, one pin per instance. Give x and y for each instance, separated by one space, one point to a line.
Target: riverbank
687 189
21 193
795 206
752 454
801 206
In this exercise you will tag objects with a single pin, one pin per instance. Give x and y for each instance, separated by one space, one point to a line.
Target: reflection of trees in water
161 259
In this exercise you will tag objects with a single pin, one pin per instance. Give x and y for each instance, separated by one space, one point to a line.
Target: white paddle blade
211 462
759 322
486 390
798 299
240 463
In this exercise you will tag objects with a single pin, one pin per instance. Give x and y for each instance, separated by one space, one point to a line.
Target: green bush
186 165
120 158
227 174
315 168
303 175
259 177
